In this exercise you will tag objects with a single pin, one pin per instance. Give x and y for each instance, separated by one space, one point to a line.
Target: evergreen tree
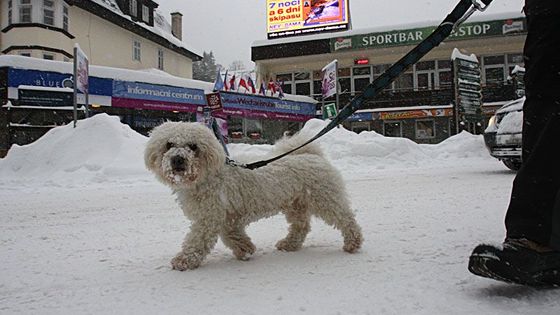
205 69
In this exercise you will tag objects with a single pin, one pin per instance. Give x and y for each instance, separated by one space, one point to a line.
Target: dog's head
182 154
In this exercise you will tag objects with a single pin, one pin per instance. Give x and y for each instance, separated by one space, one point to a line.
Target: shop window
493 60
360 126
287 87
48 12
515 59
301 76
254 129
235 127
494 75
25 11
425 65
283 77
360 84
444 64
425 129
345 85
445 79
303 88
361 71
404 82
343 72
392 129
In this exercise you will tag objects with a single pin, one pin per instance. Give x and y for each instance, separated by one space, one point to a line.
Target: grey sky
229 27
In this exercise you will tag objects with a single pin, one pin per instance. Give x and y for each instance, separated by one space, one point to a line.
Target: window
136 51
65 18
494 72
404 82
48 56
48 12
25 53
145 14
133 9
392 129
9 11
160 59
425 129
25 11
302 83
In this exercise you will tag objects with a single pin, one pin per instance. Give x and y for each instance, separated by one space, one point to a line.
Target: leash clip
476 6
231 162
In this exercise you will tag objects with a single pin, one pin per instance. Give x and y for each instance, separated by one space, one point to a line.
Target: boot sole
486 266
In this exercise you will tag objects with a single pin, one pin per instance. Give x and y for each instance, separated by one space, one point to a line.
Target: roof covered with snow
161 28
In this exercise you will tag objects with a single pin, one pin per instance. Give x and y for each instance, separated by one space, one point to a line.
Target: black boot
517 261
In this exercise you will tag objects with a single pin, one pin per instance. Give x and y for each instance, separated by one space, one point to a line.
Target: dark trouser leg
531 209
531 213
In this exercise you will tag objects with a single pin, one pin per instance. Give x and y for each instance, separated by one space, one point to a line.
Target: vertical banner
328 85
81 79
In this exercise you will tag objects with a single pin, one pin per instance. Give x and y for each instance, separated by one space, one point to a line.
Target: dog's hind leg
299 219
239 242
338 214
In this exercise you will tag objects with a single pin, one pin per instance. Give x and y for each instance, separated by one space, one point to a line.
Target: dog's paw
184 262
288 246
244 253
352 246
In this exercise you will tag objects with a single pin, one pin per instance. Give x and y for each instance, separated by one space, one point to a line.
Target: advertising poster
303 17
328 83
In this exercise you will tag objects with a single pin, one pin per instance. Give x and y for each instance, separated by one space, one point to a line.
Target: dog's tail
288 143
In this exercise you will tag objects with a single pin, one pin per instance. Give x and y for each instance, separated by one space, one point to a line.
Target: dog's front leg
196 246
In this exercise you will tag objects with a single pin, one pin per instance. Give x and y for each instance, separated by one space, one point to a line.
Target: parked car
503 134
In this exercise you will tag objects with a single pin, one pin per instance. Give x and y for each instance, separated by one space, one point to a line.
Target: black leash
460 13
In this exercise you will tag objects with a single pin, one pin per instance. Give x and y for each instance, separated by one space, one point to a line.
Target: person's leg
530 211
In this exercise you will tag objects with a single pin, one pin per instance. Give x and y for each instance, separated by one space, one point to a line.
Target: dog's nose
178 163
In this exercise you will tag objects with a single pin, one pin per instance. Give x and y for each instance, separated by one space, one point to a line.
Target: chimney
177 25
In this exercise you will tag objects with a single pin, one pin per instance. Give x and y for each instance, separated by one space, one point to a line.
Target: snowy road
86 230
106 249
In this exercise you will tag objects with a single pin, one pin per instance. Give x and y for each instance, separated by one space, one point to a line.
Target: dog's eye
192 146
169 145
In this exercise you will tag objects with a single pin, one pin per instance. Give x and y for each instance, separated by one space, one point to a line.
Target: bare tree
237 65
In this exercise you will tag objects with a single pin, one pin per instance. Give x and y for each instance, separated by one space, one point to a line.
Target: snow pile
103 149
100 148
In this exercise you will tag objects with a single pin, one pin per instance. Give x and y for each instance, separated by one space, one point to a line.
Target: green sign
416 35
329 110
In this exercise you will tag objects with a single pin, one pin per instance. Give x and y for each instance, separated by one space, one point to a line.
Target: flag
225 81
251 84
219 84
279 89
232 83
262 89
243 83
272 87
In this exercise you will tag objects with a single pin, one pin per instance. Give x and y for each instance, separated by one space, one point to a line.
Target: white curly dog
220 200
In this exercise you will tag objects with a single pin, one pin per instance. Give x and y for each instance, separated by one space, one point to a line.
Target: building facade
420 103
128 34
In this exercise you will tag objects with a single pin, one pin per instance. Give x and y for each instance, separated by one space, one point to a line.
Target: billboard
304 17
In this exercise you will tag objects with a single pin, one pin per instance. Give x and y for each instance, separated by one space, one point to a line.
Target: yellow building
128 34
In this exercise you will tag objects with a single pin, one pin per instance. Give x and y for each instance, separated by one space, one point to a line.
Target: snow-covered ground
85 229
